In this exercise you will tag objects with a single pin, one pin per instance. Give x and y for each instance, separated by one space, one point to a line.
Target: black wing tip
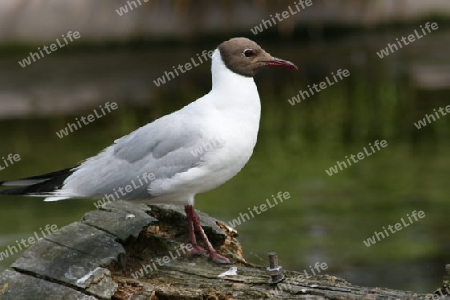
14 191
50 182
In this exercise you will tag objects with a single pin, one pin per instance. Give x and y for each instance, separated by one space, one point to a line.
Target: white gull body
227 117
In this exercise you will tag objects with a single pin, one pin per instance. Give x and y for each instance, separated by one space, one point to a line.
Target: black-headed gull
177 156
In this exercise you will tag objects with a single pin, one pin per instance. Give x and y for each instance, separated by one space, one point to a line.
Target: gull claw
219 259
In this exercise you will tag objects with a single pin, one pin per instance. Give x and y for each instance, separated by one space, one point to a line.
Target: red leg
216 257
196 249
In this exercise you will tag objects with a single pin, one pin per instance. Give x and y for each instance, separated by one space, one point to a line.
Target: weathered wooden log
129 251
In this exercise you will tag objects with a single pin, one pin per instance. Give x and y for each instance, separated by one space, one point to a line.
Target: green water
327 218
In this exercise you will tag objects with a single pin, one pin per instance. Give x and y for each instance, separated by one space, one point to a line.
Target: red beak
281 63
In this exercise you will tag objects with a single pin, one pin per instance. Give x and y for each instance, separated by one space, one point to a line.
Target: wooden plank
119 218
75 255
89 240
17 286
61 264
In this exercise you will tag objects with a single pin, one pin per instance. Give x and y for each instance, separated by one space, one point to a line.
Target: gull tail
39 186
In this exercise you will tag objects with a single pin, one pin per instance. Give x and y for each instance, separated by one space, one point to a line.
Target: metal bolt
274 270
446 279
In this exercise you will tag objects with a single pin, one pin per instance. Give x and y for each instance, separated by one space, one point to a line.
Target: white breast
229 116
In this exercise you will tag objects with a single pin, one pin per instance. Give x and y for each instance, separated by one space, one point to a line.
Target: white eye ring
248 52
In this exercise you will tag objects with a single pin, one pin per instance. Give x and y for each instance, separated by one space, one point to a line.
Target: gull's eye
248 52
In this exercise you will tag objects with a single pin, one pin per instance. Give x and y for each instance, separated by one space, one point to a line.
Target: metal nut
274 270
